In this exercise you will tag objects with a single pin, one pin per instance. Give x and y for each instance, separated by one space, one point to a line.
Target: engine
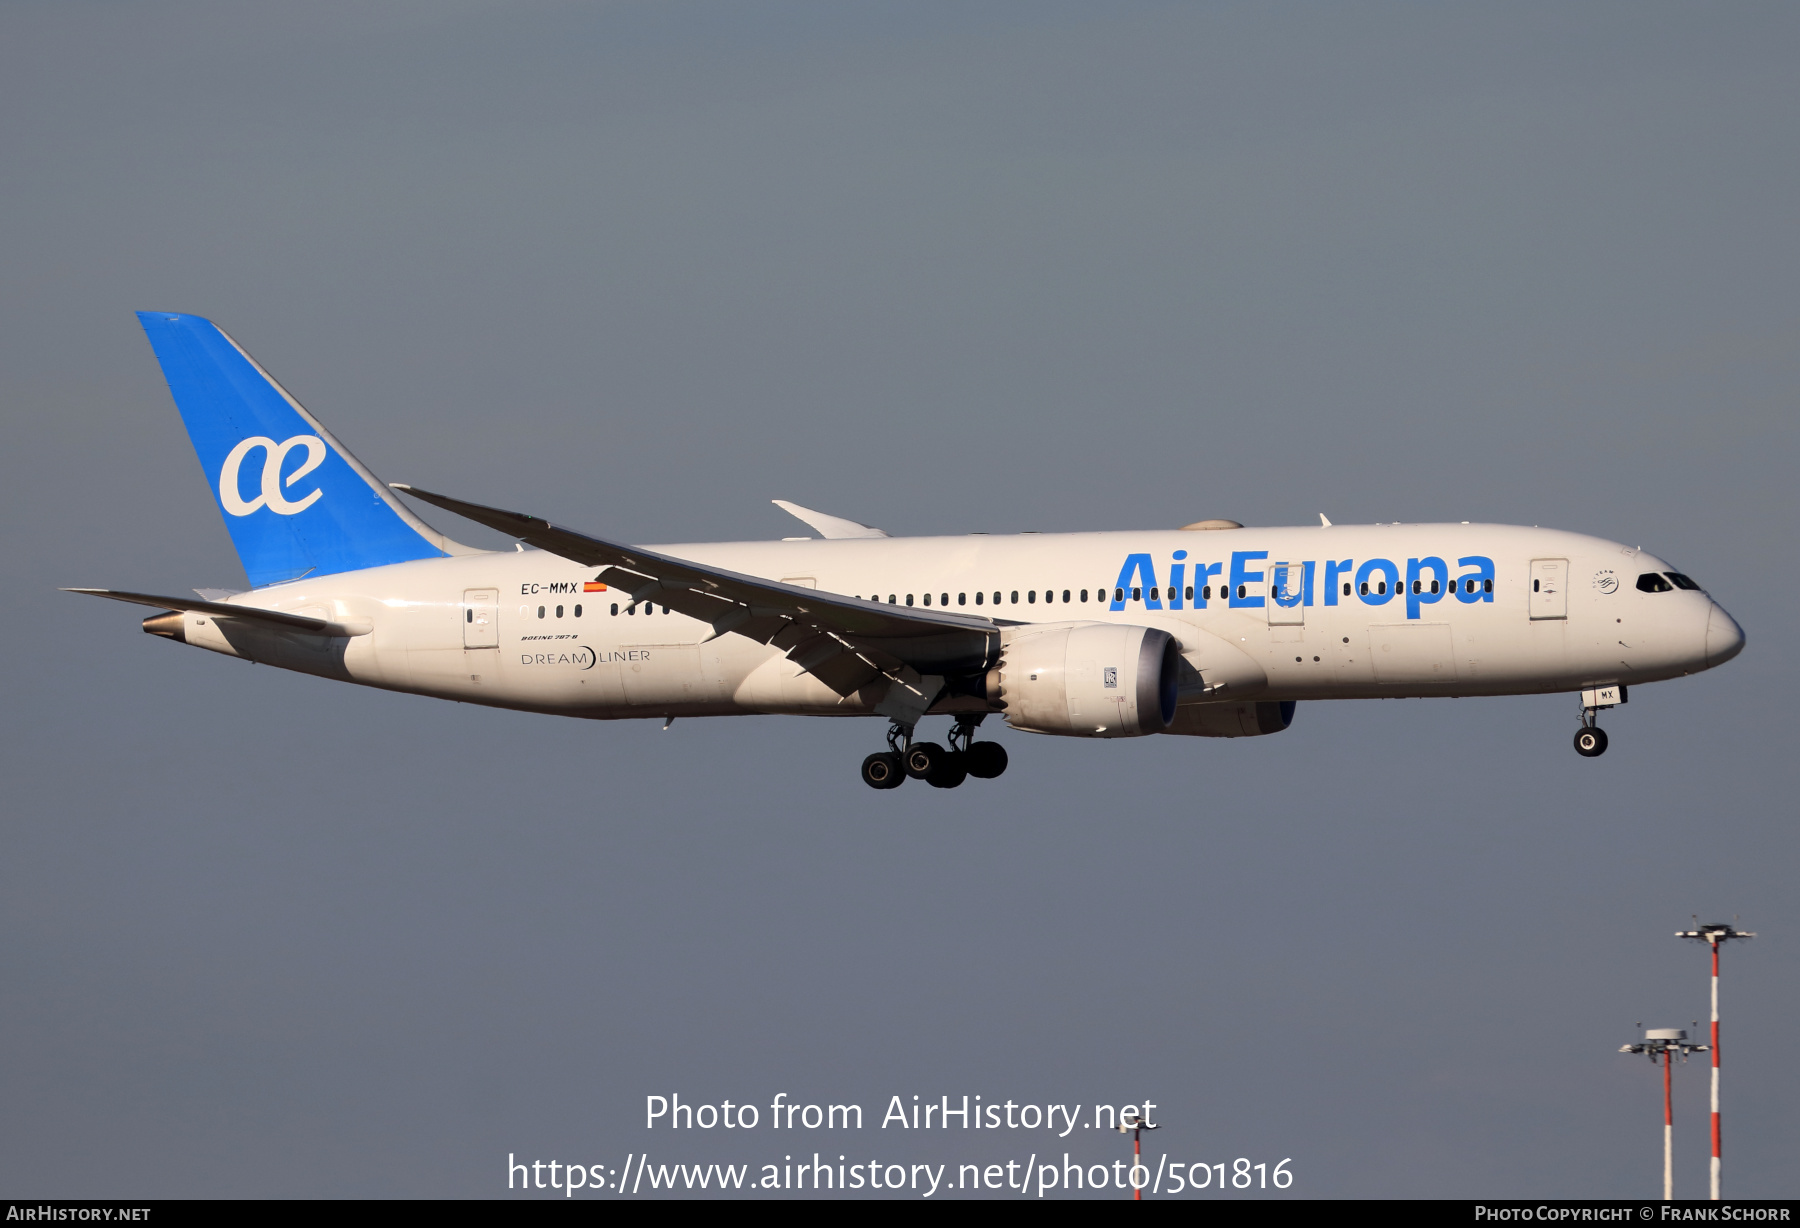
1088 680
1232 720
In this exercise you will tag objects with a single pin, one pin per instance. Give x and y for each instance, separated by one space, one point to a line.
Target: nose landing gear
1590 739
927 761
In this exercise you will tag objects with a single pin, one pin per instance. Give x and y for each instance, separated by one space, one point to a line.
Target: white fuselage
1555 611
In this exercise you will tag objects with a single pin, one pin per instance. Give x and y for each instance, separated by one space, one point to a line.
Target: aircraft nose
1724 638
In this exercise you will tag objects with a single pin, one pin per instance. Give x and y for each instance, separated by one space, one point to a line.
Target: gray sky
642 267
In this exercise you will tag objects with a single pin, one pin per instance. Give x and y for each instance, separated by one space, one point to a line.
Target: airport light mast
1668 1044
1135 1125
1713 936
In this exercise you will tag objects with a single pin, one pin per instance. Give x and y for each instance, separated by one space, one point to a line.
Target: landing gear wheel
952 771
1590 743
883 771
985 760
923 759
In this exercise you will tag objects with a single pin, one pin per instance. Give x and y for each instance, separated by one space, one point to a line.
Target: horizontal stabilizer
827 526
220 609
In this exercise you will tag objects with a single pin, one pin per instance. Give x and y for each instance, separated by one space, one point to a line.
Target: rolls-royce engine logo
273 456
1606 581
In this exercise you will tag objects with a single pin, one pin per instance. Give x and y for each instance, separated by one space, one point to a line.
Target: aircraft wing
222 609
845 642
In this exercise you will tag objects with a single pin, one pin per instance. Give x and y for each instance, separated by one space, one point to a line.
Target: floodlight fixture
1666 1044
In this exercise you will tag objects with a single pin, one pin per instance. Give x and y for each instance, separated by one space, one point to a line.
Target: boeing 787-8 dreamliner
1212 630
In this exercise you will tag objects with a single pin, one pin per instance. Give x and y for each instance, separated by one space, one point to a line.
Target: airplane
1211 630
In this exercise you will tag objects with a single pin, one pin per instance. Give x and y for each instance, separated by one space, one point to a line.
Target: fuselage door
1287 594
1549 588
481 618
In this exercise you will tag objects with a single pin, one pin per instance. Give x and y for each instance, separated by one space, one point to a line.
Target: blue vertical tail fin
294 499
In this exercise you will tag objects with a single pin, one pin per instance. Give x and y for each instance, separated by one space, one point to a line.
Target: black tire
1590 743
985 760
882 771
923 758
950 773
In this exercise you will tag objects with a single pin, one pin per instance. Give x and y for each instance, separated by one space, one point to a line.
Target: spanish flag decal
593 586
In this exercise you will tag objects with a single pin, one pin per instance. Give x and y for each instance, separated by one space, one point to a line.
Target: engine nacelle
1233 720
1088 680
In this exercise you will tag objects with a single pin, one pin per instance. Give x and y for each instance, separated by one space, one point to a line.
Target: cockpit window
1682 581
1650 582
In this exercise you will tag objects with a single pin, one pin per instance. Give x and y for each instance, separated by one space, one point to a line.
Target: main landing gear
931 763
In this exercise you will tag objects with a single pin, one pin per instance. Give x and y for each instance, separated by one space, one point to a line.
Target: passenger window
1347 588
1031 597
468 616
1487 586
615 609
943 598
541 608
559 611
1137 594
1682 581
1534 584
631 610
1190 592
978 598
996 598
1118 594
927 599
1015 599
1084 594
891 599
1434 586
1206 593
1381 588
963 598
577 611
1243 590
1065 596
909 599
1650 582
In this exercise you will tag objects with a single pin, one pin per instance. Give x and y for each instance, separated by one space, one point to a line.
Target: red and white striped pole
1134 1123
1713 936
1137 1162
1715 1069
1668 1129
